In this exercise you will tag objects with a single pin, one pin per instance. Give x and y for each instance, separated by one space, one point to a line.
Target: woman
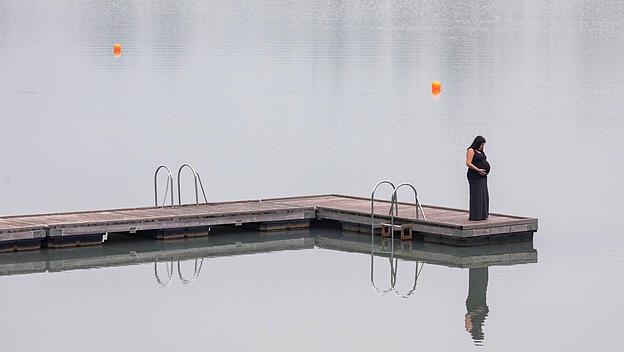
478 169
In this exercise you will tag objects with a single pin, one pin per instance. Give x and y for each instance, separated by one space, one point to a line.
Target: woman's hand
482 172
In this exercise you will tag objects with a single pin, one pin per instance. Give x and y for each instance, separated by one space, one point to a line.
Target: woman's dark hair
477 142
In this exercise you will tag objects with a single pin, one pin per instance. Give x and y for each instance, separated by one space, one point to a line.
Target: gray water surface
278 98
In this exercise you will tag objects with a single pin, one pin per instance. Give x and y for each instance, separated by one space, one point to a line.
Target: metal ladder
169 184
378 290
393 261
394 208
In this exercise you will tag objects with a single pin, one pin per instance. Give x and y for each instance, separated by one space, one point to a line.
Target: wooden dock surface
442 216
445 225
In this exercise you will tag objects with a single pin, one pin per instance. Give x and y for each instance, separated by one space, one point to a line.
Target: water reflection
390 263
407 253
199 262
394 268
195 272
169 274
476 306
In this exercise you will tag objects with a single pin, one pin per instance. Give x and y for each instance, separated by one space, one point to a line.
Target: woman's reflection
477 309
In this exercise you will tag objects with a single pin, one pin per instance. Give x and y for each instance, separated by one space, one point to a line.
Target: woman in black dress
478 169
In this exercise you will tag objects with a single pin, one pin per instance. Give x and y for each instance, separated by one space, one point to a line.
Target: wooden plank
151 215
74 229
334 196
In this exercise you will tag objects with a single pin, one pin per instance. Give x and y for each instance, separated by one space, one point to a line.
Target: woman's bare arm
469 156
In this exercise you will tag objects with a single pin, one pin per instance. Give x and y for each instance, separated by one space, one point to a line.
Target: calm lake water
278 98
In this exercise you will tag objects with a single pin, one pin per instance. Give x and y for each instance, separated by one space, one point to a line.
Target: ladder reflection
199 262
394 268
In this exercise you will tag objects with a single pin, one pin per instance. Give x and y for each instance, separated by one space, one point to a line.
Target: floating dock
442 225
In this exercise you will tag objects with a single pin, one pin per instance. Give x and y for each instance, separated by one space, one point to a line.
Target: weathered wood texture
271 212
149 218
440 220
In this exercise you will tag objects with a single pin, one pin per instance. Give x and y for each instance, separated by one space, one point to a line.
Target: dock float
442 225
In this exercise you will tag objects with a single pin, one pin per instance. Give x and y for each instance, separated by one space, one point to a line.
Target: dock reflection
404 258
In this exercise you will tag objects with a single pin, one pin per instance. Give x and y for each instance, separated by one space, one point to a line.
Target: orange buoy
117 49
436 92
436 85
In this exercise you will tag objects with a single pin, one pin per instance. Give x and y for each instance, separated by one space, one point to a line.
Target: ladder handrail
202 188
373 210
195 177
373 236
373 203
396 202
168 182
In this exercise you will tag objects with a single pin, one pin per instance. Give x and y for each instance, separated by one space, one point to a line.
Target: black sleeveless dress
479 197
